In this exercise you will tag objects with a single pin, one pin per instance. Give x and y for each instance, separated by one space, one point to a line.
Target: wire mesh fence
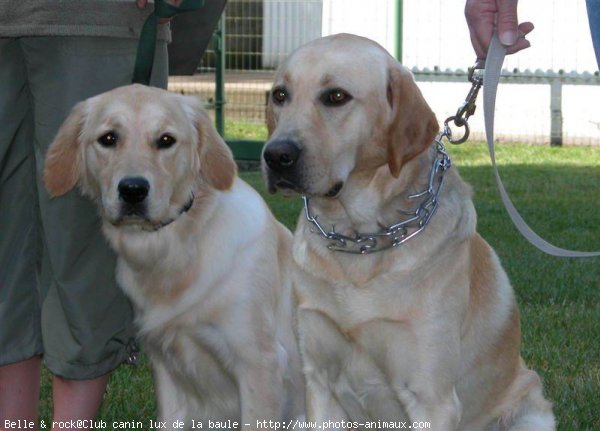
432 36
246 81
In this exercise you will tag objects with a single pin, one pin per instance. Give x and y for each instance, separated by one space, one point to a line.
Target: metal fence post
219 47
556 119
399 28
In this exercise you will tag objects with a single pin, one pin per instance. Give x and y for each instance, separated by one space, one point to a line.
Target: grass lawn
252 131
557 191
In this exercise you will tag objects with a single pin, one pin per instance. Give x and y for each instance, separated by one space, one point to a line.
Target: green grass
557 191
245 130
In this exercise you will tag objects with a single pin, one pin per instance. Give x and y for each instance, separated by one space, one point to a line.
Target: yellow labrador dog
200 254
404 312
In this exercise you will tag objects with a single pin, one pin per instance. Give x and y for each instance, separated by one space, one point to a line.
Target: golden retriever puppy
199 254
404 312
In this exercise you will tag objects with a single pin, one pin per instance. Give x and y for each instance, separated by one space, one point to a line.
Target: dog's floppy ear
62 166
413 124
216 161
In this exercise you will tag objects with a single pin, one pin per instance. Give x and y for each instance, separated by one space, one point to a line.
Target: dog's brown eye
108 139
165 141
279 96
336 97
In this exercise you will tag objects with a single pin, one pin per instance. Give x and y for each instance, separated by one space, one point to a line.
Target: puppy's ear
216 161
413 124
62 166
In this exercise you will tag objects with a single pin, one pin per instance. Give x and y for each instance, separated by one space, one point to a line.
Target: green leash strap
144 58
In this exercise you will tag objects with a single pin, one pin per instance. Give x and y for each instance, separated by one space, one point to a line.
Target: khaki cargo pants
58 295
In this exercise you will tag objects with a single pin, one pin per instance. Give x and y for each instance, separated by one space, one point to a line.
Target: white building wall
436 34
372 19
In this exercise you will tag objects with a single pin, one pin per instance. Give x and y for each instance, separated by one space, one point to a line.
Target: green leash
144 58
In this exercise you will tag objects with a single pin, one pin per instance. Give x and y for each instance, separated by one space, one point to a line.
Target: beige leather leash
491 78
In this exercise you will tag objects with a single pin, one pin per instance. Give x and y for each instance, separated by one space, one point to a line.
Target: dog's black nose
133 189
281 154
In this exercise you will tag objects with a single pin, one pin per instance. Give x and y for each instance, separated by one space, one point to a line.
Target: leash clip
466 109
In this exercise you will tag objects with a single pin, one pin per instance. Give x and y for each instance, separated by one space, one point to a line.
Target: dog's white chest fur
197 363
368 344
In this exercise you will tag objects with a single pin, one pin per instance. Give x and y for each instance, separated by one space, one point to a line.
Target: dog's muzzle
282 157
133 190
132 194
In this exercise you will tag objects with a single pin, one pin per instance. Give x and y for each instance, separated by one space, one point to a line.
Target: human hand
484 15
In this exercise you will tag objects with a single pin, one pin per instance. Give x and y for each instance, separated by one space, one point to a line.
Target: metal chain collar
398 233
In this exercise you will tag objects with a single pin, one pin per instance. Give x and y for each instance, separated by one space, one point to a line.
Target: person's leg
593 10
20 336
86 319
69 394
20 390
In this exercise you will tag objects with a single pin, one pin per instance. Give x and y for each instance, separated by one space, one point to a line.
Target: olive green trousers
58 294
